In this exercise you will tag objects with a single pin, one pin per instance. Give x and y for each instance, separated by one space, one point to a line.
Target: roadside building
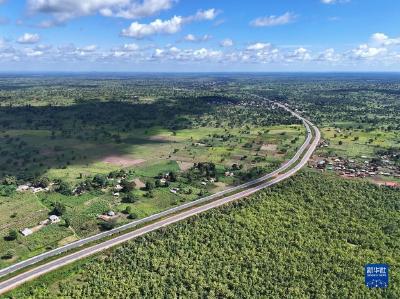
26 232
54 219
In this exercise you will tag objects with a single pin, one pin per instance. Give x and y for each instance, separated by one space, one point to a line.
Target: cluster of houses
361 168
50 220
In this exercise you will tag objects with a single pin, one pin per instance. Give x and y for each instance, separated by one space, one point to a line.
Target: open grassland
70 159
308 237
357 142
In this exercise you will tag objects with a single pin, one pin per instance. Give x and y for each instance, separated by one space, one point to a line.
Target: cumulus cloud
364 51
193 55
203 15
269 21
380 50
32 52
89 48
28 38
258 46
329 55
126 51
383 40
130 47
193 38
63 10
227 42
138 30
334 1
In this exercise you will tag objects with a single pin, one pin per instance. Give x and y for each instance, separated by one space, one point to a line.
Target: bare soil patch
184 165
161 138
269 147
123 161
139 184
385 183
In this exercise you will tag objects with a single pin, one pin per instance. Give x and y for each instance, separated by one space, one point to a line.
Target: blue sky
188 35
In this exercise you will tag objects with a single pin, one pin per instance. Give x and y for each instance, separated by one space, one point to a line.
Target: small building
174 190
321 164
38 189
118 188
111 213
22 188
26 232
54 219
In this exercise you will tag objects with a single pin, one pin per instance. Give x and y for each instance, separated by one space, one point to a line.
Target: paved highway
179 213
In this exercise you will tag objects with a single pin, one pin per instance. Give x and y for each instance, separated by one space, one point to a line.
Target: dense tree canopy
308 237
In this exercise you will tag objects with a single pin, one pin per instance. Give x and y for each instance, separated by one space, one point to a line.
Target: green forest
309 237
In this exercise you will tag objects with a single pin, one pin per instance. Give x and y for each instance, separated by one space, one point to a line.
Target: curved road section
175 214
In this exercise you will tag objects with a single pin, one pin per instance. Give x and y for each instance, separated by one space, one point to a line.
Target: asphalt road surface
213 201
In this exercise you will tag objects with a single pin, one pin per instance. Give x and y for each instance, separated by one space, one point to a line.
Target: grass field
358 142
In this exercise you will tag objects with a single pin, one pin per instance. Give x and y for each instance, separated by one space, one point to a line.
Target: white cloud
126 51
299 54
206 53
365 51
329 55
89 48
171 26
227 43
194 38
190 38
28 38
33 53
137 30
334 1
383 40
269 21
176 54
204 15
64 10
258 46
131 47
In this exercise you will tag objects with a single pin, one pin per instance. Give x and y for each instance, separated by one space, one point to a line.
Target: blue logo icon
377 275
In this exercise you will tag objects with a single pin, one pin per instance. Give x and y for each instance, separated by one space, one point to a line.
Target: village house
174 190
118 187
54 219
26 232
22 188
